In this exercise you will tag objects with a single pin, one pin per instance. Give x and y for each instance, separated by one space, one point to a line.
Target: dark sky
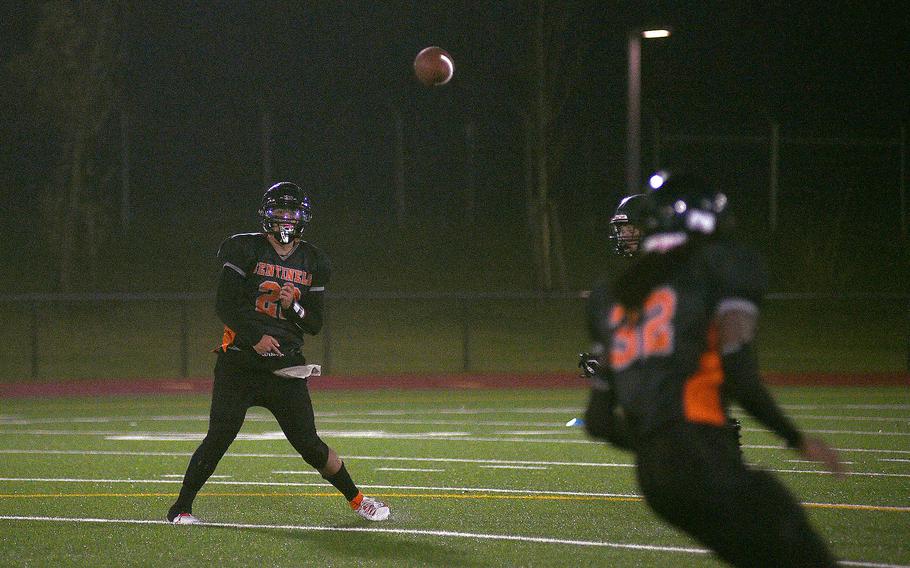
827 67
200 74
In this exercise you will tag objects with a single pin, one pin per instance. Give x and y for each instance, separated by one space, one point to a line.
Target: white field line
357 418
893 460
415 469
810 461
504 491
296 472
300 484
514 467
394 458
297 456
420 532
180 476
448 436
414 532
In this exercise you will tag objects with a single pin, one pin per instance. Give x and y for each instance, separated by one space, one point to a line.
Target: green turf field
474 478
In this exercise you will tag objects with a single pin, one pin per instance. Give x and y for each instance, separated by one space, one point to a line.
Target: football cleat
370 509
185 519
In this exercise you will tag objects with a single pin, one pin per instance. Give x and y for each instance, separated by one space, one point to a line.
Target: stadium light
633 109
654 34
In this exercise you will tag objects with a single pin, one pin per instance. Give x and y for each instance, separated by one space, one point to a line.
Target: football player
625 225
625 232
676 331
270 293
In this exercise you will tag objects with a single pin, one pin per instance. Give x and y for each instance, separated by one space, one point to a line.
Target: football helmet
284 210
683 205
625 225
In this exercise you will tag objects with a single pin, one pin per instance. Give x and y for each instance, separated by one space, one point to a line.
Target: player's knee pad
314 451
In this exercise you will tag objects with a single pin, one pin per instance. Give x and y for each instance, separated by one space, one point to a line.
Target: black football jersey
250 306
664 358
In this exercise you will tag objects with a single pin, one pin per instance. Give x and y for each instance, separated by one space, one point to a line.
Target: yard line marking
851 432
180 475
408 469
358 419
448 436
366 434
893 460
333 495
513 467
490 490
530 432
815 462
852 418
849 406
480 492
477 496
853 473
414 532
353 420
867 450
394 458
300 484
307 472
419 532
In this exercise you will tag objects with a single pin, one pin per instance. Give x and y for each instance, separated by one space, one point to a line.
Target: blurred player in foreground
626 226
270 293
676 332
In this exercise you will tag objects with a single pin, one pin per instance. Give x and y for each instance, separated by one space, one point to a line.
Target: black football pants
238 386
693 477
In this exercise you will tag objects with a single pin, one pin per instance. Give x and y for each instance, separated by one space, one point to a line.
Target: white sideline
420 532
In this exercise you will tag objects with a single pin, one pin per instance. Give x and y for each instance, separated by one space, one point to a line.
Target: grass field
474 478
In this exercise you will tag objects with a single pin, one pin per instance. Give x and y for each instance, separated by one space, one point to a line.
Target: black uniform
664 396
247 302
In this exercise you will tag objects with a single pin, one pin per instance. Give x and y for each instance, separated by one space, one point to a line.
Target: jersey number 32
637 338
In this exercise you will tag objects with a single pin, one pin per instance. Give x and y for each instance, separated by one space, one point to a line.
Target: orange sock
355 502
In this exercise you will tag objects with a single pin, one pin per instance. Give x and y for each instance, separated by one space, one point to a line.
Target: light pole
633 112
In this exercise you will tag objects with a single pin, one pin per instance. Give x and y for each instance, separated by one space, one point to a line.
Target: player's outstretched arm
736 331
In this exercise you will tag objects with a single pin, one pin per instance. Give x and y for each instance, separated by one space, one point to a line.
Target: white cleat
373 510
186 519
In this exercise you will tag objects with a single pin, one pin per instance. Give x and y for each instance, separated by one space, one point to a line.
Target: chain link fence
48 337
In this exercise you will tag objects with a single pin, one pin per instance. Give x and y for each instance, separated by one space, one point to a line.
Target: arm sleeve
742 285
744 384
231 303
307 314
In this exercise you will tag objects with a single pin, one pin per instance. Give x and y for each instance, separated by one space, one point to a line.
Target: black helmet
683 205
628 214
284 210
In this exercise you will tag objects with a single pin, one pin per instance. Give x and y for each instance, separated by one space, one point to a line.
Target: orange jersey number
654 336
268 301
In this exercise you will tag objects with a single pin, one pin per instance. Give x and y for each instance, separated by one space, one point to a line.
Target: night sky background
198 77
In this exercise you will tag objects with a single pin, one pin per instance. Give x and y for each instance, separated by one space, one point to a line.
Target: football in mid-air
434 66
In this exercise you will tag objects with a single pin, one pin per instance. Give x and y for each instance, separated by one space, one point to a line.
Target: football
434 66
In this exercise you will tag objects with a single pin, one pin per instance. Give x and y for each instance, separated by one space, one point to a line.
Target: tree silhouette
71 74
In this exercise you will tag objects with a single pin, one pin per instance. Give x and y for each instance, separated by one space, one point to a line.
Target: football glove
588 364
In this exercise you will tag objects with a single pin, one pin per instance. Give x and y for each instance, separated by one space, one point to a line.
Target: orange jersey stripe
701 392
